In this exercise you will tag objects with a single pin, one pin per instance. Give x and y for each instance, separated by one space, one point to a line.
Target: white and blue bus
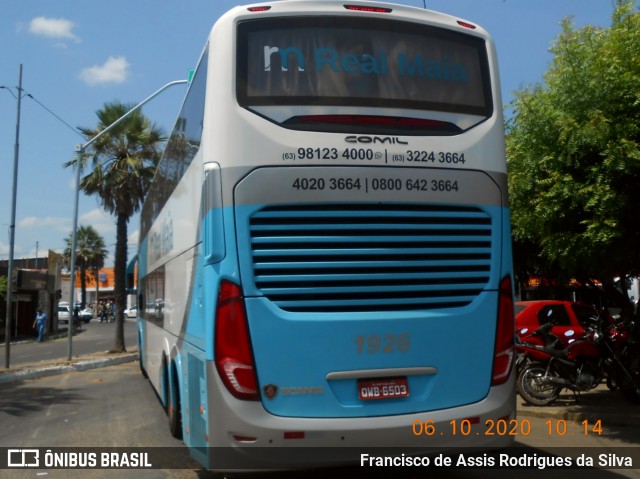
325 253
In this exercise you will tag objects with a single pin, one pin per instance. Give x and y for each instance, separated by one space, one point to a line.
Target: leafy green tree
123 162
573 149
90 254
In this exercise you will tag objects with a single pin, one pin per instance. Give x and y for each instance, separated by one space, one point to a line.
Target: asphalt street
617 417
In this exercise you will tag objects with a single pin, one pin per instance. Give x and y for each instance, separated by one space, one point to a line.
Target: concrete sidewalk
61 366
599 404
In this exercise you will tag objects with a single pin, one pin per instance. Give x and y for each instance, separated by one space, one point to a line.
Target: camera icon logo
23 458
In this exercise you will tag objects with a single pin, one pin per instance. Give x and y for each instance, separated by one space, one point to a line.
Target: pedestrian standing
103 312
39 324
76 317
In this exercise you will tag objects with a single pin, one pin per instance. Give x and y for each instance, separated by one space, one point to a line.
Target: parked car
569 318
86 315
131 312
64 313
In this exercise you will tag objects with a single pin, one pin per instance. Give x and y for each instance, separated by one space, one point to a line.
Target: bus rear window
382 63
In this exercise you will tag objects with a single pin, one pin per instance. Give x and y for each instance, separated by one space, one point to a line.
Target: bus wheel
173 407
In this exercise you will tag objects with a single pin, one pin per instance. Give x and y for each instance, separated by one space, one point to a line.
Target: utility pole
12 229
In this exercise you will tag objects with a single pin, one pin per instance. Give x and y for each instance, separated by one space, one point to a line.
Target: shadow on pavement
25 399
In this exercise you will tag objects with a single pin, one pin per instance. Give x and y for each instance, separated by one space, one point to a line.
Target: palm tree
123 162
90 254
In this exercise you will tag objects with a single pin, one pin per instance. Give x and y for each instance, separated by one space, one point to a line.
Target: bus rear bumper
246 437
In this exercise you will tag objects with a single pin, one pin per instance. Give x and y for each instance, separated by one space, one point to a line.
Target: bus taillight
361 8
466 25
259 9
504 348
233 356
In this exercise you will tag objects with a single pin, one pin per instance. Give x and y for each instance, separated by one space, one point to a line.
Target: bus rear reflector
233 356
240 438
504 347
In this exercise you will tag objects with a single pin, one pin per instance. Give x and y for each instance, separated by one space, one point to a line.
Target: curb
613 410
620 419
35 372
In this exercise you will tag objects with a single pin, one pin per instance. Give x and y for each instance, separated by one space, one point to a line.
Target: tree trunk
119 287
83 286
96 273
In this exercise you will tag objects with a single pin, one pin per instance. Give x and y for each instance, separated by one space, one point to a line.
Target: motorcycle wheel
535 390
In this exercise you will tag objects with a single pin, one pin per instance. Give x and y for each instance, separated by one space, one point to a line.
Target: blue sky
79 54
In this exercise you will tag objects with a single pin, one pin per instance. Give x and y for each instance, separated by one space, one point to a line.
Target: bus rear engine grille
349 257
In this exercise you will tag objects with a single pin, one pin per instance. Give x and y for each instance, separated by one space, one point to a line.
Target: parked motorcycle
623 342
608 351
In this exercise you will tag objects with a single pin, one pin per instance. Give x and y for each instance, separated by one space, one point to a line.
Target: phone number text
374 184
368 154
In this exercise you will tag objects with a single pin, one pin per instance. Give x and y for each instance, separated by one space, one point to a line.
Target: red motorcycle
605 351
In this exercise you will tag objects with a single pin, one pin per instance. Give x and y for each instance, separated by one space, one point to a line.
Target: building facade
36 285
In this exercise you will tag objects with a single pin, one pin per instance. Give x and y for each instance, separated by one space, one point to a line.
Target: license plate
392 388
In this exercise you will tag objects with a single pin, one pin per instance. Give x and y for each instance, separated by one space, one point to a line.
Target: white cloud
98 215
49 222
51 231
114 70
102 222
53 28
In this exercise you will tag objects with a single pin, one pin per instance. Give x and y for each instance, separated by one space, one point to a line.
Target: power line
51 112
2 87
54 115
